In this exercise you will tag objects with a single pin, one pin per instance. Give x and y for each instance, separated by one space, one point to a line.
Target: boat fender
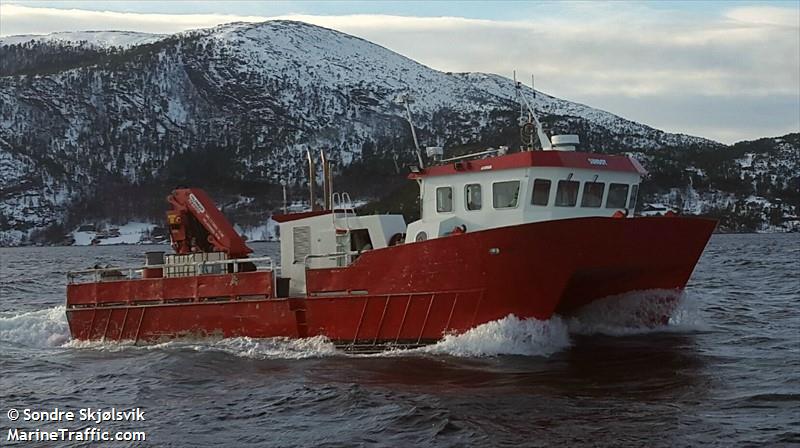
670 213
618 214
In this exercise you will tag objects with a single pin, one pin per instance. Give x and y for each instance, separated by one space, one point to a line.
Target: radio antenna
517 94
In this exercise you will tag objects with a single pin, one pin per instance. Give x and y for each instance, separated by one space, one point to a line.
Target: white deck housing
439 220
314 241
467 196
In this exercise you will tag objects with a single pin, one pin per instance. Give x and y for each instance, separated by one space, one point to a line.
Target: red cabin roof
293 216
555 159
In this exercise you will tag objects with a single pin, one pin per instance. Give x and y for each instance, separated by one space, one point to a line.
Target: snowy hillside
750 186
103 39
101 125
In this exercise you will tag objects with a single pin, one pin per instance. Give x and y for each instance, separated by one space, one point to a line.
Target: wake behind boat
531 233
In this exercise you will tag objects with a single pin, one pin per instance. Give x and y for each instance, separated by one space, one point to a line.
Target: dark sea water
725 372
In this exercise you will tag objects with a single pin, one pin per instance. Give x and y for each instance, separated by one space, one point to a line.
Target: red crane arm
197 225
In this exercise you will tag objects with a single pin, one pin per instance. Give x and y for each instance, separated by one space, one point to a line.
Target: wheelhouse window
444 199
505 194
473 196
593 194
632 201
541 192
617 196
567 193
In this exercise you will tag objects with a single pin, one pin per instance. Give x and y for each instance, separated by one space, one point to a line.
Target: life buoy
397 238
459 230
526 132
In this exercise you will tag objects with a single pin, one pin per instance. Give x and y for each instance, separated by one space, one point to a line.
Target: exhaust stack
326 179
312 179
329 165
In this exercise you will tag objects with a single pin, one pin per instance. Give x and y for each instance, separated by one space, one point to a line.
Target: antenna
517 93
532 87
405 99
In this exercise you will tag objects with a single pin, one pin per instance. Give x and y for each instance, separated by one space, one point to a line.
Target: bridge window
444 199
541 192
632 202
593 194
505 194
473 196
617 196
567 193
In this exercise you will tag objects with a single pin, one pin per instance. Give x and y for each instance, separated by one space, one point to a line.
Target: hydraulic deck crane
197 225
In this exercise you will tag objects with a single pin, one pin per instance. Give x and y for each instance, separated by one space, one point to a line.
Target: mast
532 118
405 100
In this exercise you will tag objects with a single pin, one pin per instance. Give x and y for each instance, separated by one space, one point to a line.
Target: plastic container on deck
282 287
153 259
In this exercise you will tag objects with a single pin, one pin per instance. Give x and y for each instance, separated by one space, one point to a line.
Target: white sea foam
268 348
508 336
49 328
655 310
40 328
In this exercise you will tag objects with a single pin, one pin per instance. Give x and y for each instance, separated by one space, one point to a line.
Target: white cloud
766 15
18 19
655 66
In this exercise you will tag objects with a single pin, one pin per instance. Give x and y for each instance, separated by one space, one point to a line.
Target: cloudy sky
723 70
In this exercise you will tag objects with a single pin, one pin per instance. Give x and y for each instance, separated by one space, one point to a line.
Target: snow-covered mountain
752 185
101 125
101 39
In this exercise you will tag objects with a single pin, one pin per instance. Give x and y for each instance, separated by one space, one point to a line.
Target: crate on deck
180 265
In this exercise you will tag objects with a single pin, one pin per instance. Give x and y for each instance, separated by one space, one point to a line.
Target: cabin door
342 247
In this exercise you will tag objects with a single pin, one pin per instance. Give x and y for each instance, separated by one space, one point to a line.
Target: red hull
412 293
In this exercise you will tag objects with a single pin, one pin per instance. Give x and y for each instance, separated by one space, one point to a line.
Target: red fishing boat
529 233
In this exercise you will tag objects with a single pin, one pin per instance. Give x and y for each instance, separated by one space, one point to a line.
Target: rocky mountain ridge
100 126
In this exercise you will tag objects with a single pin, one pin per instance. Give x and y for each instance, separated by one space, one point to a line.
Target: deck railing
133 272
347 256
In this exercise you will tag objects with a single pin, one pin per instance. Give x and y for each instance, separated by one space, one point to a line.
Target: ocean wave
244 347
638 312
269 348
40 328
508 336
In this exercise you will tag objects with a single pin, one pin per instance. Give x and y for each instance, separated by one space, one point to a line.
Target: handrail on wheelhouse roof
544 159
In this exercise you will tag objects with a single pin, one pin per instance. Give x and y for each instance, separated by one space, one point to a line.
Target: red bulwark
225 304
557 159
